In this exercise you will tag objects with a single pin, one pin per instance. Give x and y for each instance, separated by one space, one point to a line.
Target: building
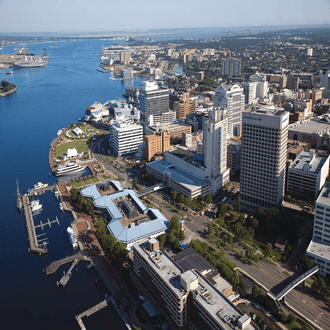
125 136
231 67
234 155
191 139
215 149
125 57
126 73
309 51
200 75
186 299
181 104
129 220
156 144
263 157
308 173
153 103
96 112
175 130
324 79
121 107
319 247
231 97
250 92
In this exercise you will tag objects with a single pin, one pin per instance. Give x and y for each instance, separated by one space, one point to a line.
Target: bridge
296 282
151 189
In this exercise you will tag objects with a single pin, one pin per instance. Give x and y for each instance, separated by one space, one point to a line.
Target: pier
40 191
48 223
52 268
65 279
34 247
91 311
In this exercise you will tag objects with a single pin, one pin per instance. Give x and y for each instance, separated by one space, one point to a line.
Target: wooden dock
52 268
30 227
48 223
90 311
65 279
43 190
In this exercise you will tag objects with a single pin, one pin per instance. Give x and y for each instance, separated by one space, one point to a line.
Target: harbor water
47 99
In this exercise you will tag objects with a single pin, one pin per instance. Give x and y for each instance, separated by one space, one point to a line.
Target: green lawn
63 148
86 181
111 157
106 177
95 179
77 184
292 326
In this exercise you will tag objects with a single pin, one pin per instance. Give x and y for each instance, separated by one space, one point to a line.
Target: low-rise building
156 144
186 299
308 173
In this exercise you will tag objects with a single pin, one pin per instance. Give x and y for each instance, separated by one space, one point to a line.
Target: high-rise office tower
215 149
231 97
153 101
263 157
231 67
250 91
325 79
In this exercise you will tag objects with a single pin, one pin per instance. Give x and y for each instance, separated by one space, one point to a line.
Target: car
256 306
253 317
264 326
90 246
247 302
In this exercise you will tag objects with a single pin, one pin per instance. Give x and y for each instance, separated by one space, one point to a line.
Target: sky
120 15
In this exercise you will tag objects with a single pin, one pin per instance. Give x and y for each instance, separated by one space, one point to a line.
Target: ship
23 51
19 198
69 168
29 62
72 238
35 206
40 185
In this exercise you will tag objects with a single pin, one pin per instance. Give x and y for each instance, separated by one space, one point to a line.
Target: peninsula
7 88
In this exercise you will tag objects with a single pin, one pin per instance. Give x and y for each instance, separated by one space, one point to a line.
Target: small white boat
35 206
10 72
61 207
40 185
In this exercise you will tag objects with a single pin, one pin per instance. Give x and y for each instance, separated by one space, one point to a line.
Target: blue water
47 99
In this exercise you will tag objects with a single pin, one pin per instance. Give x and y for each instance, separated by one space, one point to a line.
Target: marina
48 223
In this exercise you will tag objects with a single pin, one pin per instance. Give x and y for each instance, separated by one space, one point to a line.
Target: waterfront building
154 103
122 108
186 299
96 112
126 73
125 136
231 97
125 57
319 247
308 173
215 149
231 67
128 219
263 157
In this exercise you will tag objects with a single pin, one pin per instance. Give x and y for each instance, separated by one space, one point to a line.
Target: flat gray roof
310 127
186 179
319 249
324 197
315 163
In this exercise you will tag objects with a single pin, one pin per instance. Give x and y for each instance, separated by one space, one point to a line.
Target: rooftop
307 161
186 179
130 219
319 248
324 197
311 126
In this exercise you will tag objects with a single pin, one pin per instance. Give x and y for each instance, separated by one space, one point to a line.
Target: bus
224 200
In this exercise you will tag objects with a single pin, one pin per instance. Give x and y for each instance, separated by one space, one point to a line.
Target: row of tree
175 234
85 204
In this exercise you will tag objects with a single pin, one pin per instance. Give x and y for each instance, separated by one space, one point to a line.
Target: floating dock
34 247
65 279
48 223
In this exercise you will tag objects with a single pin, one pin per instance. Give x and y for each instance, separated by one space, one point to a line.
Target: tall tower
231 67
215 149
153 101
231 97
263 157
325 79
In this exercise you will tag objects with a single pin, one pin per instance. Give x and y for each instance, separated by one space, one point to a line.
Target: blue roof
150 308
117 185
115 227
199 157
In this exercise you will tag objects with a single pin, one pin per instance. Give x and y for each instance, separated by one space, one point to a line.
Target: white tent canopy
72 153
77 131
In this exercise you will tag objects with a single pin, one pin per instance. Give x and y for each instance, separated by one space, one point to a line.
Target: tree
306 327
176 244
208 198
267 251
161 209
291 318
255 291
181 235
242 288
238 204
171 238
305 263
175 225
254 223
162 240
181 198
89 206
289 248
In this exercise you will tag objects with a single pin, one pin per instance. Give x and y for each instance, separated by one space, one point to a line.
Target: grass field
95 179
77 184
63 148
86 181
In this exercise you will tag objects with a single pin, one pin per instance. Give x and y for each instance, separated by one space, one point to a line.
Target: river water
47 99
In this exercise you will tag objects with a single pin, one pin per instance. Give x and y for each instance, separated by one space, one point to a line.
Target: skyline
84 16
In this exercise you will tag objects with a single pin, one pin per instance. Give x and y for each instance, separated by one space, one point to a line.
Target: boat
23 51
40 185
69 169
56 194
10 72
30 62
72 238
61 207
35 206
19 199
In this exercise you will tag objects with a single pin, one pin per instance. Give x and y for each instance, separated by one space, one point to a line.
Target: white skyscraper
325 79
261 84
231 97
263 157
250 92
215 149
